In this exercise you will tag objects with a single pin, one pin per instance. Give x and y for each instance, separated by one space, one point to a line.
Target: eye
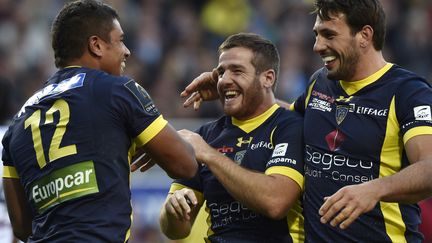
237 71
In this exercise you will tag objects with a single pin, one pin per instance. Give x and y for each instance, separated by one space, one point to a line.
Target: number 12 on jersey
55 151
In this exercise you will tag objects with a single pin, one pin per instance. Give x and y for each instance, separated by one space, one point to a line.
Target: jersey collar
251 124
352 87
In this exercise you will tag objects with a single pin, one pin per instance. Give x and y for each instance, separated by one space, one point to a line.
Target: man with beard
67 151
252 158
368 127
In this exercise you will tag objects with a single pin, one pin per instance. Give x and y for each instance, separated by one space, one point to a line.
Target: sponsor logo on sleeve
422 113
143 97
280 150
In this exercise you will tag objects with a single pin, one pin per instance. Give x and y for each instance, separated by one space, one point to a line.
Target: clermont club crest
341 112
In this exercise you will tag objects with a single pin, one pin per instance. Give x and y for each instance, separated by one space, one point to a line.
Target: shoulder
287 116
318 74
213 127
405 77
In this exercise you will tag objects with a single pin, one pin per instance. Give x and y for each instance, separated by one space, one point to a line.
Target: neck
368 64
85 61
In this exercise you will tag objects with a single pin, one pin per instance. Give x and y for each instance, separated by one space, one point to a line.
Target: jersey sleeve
300 103
9 170
140 114
287 156
413 103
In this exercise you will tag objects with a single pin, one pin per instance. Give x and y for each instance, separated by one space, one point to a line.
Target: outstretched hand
347 204
202 88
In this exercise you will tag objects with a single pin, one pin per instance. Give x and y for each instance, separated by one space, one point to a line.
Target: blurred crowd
174 41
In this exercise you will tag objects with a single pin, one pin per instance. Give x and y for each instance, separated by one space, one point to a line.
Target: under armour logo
241 141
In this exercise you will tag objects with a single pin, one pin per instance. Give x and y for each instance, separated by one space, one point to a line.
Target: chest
353 124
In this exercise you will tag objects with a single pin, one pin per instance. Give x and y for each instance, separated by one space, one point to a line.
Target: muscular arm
18 209
271 195
410 185
413 183
172 153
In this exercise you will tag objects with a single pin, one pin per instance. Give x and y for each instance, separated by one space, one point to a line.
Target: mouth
123 66
231 95
329 60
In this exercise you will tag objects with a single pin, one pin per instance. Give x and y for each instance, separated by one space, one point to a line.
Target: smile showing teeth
230 94
328 58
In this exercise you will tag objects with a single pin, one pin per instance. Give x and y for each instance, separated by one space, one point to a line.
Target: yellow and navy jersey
270 143
70 147
355 132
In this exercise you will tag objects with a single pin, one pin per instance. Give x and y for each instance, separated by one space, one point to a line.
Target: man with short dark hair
368 131
252 158
67 152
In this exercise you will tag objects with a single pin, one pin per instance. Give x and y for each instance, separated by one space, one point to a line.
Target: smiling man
252 158
67 152
368 131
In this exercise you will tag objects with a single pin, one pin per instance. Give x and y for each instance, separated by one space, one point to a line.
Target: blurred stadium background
174 41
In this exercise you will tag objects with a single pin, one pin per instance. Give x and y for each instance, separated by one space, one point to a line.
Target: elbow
276 209
21 234
276 214
177 236
185 172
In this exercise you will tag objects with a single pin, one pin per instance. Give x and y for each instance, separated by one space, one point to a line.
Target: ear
269 78
366 35
95 46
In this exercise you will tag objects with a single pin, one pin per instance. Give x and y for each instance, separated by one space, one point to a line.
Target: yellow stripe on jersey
422 130
289 172
295 222
176 186
151 131
391 162
308 95
200 229
352 87
128 232
10 172
251 124
271 136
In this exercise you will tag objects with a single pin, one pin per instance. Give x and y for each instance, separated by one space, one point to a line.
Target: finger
194 85
147 165
341 216
138 161
197 104
191 199
332 207
328 202
215 75
176 206
183 206
195 96
171 210
353 216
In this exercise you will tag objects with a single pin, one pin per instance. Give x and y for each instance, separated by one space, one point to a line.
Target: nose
319 45
127 52
225 77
